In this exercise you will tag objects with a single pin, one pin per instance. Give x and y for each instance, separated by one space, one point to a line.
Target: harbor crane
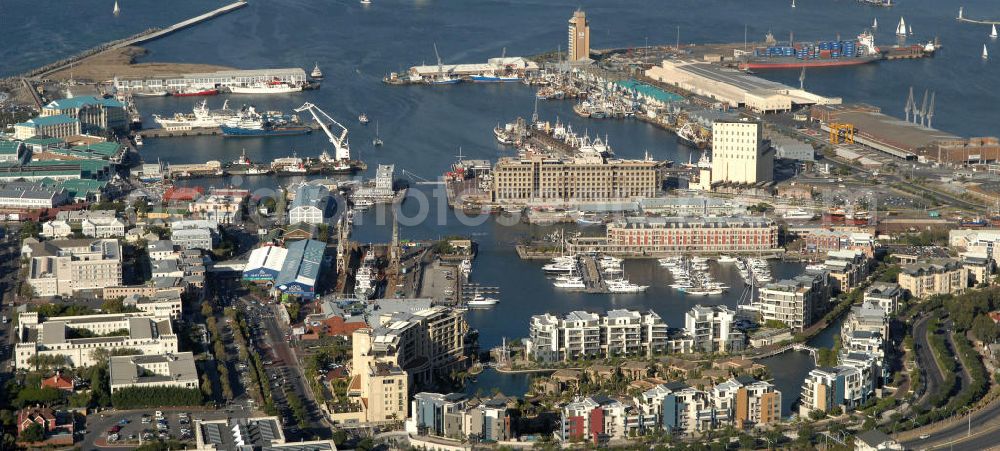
341 147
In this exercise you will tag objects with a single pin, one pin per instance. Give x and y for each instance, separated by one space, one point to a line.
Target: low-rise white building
75 338
712 329
588 335
160 370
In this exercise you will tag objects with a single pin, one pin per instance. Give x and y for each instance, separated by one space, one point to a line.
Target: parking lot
440 282
132 428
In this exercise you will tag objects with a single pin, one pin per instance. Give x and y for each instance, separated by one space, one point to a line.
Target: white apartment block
793 302
885 295
77 337
588 335
712 330
161 370
940 276
740 155
63 267
844 386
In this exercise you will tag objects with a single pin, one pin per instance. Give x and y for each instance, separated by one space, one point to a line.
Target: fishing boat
249 123
901 28
442 78
316 74
503 134
192 92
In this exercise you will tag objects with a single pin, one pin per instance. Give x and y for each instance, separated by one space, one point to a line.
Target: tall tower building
740 155
579 36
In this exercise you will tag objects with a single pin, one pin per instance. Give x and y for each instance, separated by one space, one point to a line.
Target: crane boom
341 147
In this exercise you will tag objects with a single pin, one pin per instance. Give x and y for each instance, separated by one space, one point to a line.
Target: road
985 427
295 378
929 369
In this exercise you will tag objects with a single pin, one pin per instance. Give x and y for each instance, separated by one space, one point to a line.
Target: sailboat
901 28
911 30
117 10
993 32
875 23
316 74
986 55
377 142
793 3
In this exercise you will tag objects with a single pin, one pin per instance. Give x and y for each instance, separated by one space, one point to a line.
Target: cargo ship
249 123
814 54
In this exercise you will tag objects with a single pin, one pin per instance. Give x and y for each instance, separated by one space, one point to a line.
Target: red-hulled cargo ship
814 54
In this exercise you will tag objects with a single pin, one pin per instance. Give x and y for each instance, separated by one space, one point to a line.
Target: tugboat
316 74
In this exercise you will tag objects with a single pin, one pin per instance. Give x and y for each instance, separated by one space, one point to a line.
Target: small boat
575 282
363 119
377 142
727 259
138 140
316 74
815 267
479 301
117 10
798 214
986 54
993 32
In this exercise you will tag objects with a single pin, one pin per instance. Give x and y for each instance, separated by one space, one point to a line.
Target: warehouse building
265 264
733 87
301 269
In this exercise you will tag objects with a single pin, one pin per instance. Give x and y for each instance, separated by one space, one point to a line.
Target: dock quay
143 37
961 18
591 275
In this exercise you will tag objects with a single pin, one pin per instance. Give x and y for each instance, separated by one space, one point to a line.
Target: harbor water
424 127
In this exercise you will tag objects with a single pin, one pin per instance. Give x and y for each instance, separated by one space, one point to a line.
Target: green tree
33 433
30 229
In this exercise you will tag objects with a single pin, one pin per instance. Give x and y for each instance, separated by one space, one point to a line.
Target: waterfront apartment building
844 386
160 370
96 114
740 155
59 126
885 295
848 269
794 302
578 47
75 338
455 416
679 235
403 350
594 419
745 401
64 267
588 335
520 181
712 330
938 276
